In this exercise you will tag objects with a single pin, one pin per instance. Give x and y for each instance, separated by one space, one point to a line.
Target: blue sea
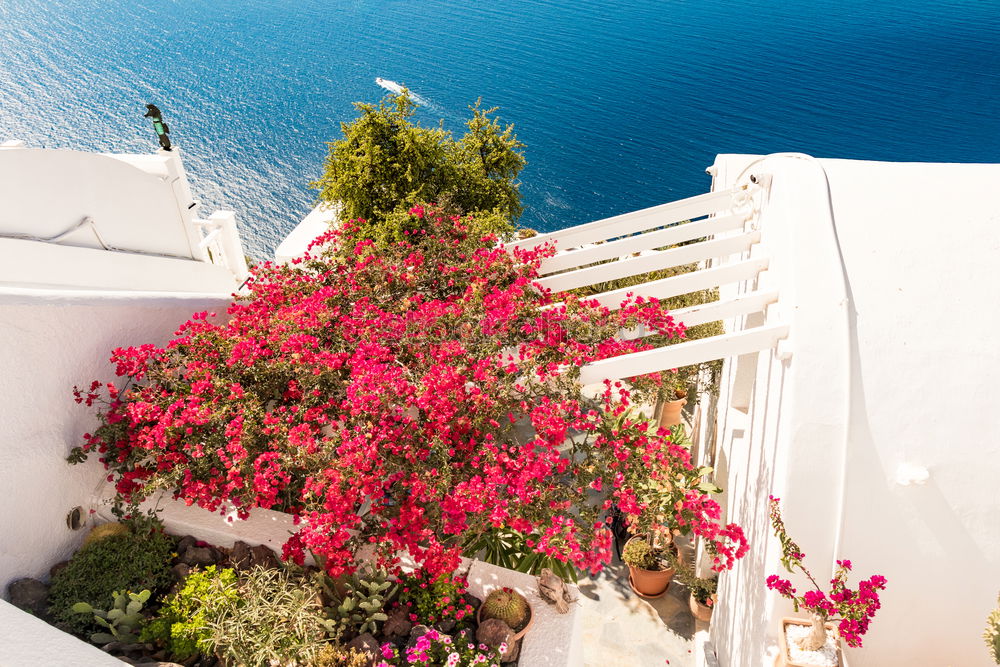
621 104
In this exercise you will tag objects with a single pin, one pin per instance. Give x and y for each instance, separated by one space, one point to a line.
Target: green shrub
385 164
132 561
992 634
182 625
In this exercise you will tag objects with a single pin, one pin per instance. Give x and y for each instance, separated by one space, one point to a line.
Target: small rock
185 542
159 656
240 555
30 595
262 556
445 625
416 632
552 588
494 632
57 568
181 571
198 556
368 645
398 624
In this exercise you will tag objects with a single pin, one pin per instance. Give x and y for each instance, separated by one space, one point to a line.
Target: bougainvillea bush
401 399
852 610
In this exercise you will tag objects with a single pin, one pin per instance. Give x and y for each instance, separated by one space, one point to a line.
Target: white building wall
48 344
828 429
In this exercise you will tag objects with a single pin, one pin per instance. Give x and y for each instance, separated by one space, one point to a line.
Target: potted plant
507 605
651 564
811 642
674 400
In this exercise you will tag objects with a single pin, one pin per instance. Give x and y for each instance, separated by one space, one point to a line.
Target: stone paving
621 629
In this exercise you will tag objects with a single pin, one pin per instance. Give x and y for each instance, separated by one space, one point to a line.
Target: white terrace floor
620 629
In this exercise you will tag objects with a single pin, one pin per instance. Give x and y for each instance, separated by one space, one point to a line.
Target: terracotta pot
518 634
649 583
670 413
783 659
700 611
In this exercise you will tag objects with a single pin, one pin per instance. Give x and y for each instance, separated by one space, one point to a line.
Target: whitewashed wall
893 369
48 343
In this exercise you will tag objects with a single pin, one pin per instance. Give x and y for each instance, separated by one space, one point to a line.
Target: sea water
621 104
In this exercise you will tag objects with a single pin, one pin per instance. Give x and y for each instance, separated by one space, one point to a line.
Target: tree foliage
385 164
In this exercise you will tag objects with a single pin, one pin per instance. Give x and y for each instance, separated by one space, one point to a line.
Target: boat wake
396 88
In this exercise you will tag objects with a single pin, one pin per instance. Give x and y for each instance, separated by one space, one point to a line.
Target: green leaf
103 623
115 614
133 607
142 597
102 638
82 608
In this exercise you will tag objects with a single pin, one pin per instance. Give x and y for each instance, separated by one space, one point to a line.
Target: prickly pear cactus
506 605
121 621
361 609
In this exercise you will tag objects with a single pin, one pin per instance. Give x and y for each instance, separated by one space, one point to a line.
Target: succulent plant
121 621
507 605
361 607
992 634
98 533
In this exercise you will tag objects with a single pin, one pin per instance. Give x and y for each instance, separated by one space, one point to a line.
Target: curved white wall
903 373
50 341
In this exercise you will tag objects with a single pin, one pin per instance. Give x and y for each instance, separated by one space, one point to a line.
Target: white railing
721 235
220 242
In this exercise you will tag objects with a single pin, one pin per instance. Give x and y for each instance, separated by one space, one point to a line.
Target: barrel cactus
506 605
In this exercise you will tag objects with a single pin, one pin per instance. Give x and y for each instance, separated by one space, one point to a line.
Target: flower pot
518 634
700 611
649 584
670 412
784 659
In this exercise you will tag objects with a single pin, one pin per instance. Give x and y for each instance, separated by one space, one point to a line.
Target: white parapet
553 640
27 640
319 221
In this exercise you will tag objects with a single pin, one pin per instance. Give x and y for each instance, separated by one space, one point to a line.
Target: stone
262 556
58 567
552 588
198 556
368 645
416 632
185 542
30 595
181 571
445 625
239 555
494 632
398 624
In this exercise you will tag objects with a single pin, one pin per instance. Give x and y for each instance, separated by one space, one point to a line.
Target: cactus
98 533
361 607
506 605
122 620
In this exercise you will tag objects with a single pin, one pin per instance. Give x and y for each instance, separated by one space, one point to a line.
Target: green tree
385 164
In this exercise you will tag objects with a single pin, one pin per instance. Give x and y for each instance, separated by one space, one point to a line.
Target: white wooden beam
569 259
683 354
744 304
636 221
686 283
650 261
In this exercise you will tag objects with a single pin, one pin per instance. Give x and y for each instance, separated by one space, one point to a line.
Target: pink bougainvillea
852 610
400 399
